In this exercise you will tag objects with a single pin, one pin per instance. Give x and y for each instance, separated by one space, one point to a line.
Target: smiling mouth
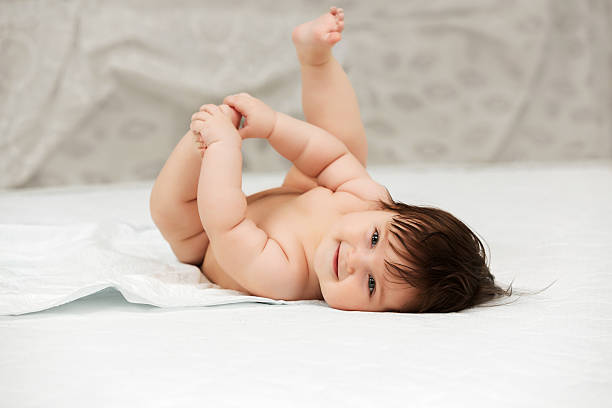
336 261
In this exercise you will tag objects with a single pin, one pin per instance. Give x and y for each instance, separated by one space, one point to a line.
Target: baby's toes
333 37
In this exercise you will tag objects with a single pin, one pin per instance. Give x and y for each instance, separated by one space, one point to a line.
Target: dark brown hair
441 257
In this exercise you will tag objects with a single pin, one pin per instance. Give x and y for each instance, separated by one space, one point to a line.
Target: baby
330 231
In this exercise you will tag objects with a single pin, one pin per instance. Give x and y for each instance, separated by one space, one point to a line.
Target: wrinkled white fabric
43 266
541 224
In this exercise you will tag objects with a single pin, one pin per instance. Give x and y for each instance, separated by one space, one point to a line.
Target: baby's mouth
336 261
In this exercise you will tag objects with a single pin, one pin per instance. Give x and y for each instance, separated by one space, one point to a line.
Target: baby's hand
211 125
259 118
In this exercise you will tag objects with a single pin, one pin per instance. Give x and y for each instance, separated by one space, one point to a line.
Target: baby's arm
255 260
314 151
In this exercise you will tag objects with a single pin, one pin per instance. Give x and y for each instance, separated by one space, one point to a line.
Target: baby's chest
279 216
291 219
298 221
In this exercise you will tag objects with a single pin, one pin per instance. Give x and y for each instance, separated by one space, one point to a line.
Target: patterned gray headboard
102 91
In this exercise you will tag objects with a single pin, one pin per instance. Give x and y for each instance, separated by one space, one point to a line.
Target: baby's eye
374 238
371 284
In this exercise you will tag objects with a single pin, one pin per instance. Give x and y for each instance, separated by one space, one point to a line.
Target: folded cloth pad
43 266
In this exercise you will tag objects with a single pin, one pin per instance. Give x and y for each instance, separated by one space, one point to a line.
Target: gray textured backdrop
101 91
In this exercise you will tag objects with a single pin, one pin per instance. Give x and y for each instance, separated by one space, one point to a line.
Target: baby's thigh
186 235
191 250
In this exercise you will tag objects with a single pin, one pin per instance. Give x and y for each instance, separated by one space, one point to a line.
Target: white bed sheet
543 224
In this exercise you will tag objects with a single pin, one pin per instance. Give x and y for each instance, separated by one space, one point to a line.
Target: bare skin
314 39
328 98
320 235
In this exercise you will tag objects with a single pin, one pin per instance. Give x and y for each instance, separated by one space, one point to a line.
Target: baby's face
349 263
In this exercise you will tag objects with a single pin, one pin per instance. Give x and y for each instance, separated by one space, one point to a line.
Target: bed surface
543 224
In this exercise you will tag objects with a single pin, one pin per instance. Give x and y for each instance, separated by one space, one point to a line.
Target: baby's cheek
339 297
329 296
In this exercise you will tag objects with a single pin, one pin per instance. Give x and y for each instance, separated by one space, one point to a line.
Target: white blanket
48 265
50 255
542 224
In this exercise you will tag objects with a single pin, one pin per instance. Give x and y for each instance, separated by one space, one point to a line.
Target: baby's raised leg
173 203
328 98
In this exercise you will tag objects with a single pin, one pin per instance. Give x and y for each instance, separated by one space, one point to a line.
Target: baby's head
403 258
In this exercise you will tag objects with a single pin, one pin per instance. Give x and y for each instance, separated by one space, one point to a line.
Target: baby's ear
233 114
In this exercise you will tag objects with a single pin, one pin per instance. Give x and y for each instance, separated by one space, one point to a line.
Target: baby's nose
357 261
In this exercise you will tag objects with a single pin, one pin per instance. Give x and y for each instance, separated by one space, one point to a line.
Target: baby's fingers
201 116
242 102
211 109
197 126
232 114
206 107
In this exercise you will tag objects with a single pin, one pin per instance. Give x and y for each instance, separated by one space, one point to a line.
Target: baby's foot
313 40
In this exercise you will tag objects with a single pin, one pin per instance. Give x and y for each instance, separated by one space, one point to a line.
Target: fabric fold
42 266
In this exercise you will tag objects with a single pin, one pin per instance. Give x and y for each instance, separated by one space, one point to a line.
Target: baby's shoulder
365 189
345 203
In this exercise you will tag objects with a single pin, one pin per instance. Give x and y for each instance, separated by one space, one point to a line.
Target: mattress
545 226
